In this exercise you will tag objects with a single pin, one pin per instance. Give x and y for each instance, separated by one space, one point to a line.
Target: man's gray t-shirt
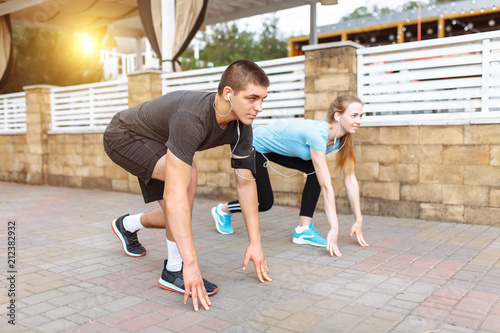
185 122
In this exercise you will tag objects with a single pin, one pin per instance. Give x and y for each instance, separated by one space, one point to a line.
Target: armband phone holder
245 163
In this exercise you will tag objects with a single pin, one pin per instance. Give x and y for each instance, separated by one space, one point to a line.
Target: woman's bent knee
264 206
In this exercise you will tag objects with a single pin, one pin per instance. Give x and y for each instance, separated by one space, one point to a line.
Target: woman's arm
325 182
352 187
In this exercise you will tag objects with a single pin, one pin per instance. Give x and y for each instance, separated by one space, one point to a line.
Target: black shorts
138 155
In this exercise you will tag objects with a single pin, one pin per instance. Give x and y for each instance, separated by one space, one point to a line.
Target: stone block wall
13 158
79 160
42 157
444 173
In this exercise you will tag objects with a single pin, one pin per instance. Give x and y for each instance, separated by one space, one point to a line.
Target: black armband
245 163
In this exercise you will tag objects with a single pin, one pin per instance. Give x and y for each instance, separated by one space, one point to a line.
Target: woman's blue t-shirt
293 137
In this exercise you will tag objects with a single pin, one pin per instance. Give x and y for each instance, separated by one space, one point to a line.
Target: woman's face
350 120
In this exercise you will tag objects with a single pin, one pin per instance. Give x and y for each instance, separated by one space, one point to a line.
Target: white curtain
5 50
189 16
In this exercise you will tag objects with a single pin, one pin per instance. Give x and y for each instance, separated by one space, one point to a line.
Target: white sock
132 223
219 210
300 229
174 263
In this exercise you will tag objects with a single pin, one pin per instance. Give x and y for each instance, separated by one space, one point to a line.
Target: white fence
285 94
454 80
118 65
87 107
13 113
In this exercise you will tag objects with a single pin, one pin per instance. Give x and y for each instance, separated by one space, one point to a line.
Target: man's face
248 103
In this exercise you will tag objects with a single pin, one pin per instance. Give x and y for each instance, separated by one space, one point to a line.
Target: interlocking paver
431 312
61 312
299 322
142 322
402 304
374 299
37 308
340 322
491 323
417 324
214 324
182 321
78 319
374 324
43 297
31 322
58 325
416 276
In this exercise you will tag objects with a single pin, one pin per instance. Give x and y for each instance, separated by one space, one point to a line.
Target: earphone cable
232 151
220 115
267 162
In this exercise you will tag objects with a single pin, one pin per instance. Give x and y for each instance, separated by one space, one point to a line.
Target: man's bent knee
159 170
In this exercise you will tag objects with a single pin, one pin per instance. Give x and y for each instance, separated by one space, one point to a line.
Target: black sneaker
131 245
174 281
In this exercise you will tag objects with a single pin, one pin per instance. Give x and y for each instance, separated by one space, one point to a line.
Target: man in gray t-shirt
156 141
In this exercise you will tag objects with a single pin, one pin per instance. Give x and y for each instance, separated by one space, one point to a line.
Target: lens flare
88 46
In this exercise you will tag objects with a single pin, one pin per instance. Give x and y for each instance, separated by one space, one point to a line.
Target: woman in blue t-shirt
303 144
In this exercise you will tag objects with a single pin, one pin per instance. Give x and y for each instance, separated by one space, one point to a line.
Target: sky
295 21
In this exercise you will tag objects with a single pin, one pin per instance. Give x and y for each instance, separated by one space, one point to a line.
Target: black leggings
310 193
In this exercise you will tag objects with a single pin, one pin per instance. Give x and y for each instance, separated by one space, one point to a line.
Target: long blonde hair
345 156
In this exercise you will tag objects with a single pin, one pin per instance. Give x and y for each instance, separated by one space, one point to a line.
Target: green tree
51 57
357 13
409 6
269 45
439 2
364 11
226 43
414 4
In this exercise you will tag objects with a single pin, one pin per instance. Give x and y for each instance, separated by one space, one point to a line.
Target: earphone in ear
229 97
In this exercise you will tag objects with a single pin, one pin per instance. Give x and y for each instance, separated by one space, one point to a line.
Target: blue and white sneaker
222 220
309 236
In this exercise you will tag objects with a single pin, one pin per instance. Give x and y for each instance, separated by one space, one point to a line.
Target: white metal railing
285 94
13 113
118 65
453 80
87 106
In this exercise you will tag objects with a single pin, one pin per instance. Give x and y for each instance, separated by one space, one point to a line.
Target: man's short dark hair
240 74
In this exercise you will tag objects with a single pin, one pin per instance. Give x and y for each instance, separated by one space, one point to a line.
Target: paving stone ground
71 274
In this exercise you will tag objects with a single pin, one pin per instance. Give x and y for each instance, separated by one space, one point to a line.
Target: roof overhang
122 16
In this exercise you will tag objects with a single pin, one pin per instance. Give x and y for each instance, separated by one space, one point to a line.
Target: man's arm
247 196
178 211
352 187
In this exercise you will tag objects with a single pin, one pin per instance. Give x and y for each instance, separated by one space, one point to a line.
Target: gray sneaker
129 240
174 281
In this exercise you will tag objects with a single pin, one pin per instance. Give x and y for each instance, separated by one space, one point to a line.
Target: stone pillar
330 71
144 86
38 118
